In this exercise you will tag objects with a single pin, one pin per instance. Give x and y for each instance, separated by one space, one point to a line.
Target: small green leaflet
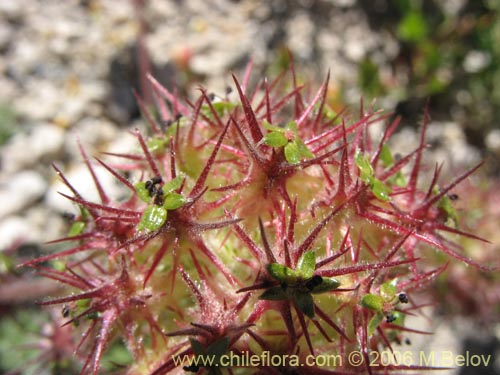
173 201
275 139
388 161
142 192
378 188
389 289
157 146
295 149
282 273
153 218
306 265
173 184
373 302
298 285
76 228
375 322
292 153
327 284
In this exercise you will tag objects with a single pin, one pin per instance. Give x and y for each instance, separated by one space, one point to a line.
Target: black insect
403 298
314 282
390 318
453 197
154 189
65 311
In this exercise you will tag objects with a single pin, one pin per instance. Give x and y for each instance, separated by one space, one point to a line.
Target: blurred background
68 68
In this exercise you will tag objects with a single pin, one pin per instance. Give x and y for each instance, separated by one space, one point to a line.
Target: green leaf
142 192
173 201
369 78
398 179
389 289
399 318
372 302
157 146
328 284
275 139
173 185
76 228
292 125
374 323
223 107
364 165
306 265
276 293
272 128
282 273
292 153
153 218
7 264
413 27
380 190
304 303
303 150
83 304
446 205
386 156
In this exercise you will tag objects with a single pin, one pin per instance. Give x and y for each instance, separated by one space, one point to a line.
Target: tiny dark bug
155 191
65 311
453 197
390 318
314 282
69 216
403 298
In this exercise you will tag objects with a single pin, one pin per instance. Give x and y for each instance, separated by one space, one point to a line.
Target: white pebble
19 191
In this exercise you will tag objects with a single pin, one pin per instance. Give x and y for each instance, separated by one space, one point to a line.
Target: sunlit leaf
303 150
306 265
173 185
389 289
372 302
380 190
446 205
374 323
292 153
364 165
153 218
173 201
142 192
399 318
272 128
386 156
275 139
281 273
157 146
76 228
